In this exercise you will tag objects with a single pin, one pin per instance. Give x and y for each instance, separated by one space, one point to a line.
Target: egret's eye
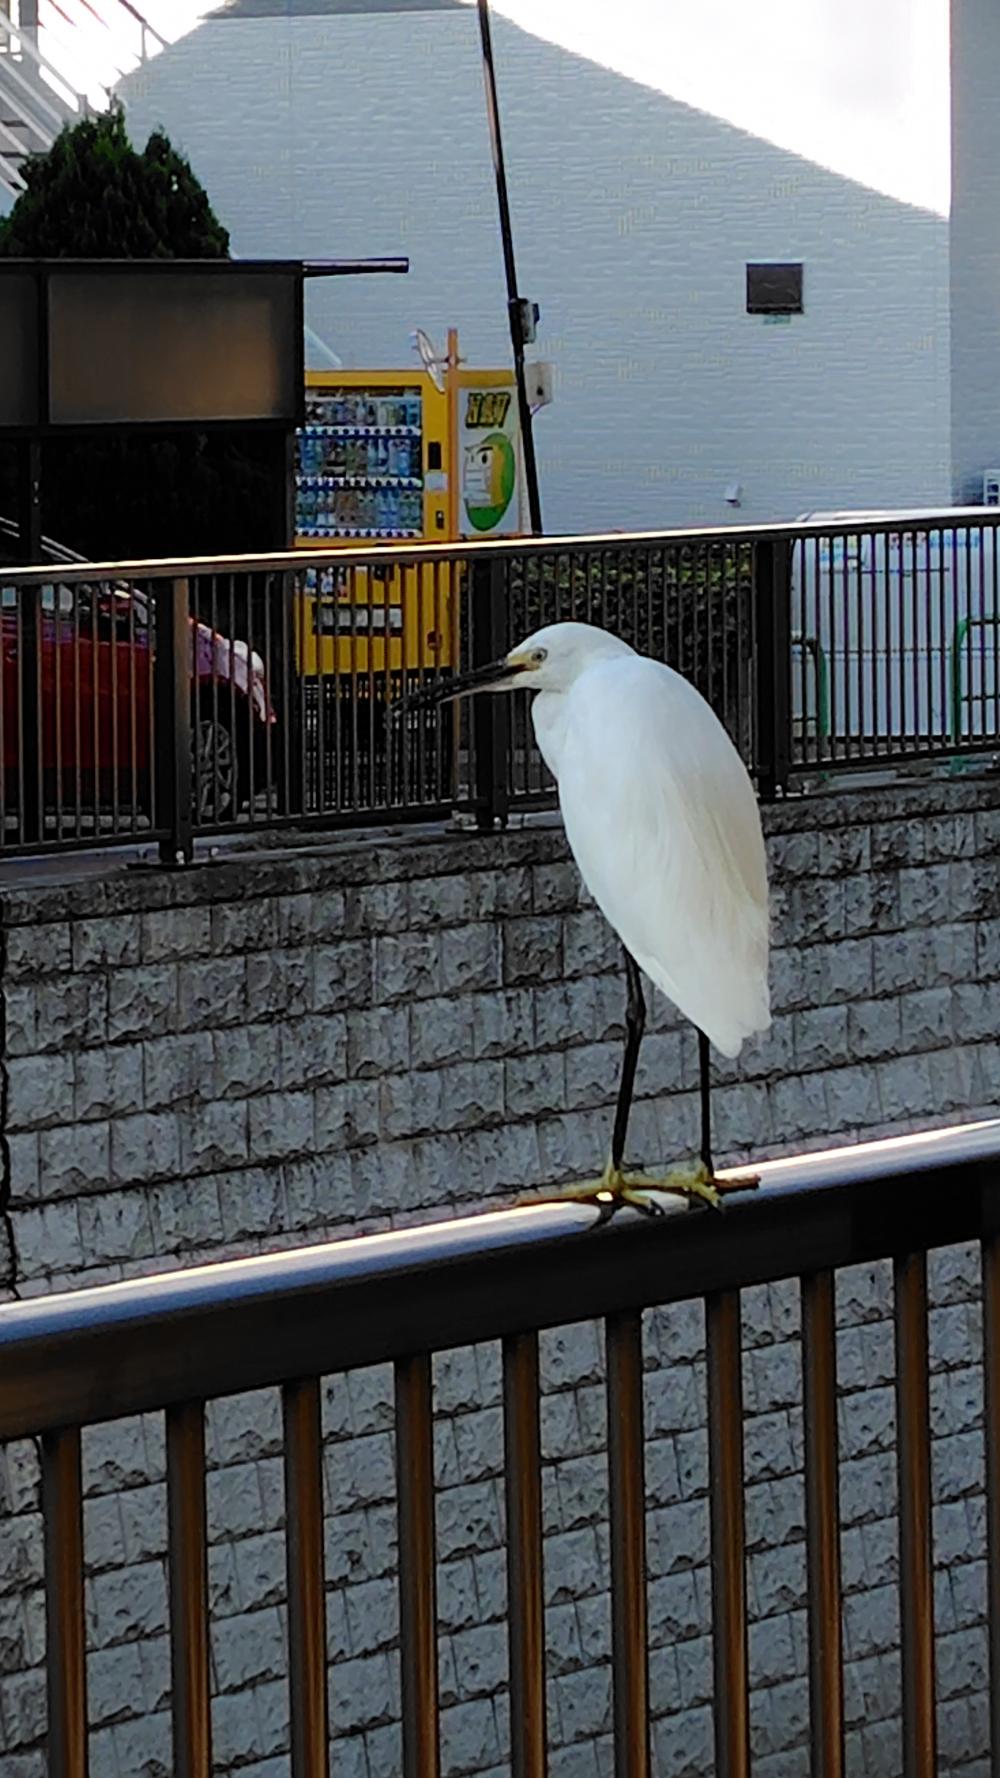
539 655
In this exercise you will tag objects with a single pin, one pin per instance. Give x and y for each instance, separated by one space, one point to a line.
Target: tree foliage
93 195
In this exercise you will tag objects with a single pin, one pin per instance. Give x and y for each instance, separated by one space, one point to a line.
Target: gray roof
271 9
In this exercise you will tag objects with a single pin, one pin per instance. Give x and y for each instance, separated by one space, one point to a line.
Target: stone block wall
287 1048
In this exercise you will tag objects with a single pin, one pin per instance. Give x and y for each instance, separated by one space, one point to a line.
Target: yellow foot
615 1188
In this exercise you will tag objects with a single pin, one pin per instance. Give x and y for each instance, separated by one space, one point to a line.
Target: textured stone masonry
285 1048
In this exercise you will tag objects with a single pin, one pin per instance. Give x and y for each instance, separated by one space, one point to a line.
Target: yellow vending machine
385 457
370 471
429 455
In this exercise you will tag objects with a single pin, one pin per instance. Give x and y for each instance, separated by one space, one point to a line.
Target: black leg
635 1024
705 1087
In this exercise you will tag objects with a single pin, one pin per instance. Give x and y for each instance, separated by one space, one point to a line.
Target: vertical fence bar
854 635
306 1586
907 643
916 1584
745 648
330 764
287 671
629 1629
991 1422
890 647
147 742
371 689
250 787
729 1592
994 593
66 1645
172 691
826 625
490 716
417 1567
772 692
112 647
30 740
819 1384
525 1599
219 796
31 717
924 728
877 646
133 714
188 1591
55 702
440 783
271 766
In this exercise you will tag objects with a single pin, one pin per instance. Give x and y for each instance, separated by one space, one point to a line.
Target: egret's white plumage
661 818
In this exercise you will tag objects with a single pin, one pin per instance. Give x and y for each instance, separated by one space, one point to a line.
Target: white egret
663 823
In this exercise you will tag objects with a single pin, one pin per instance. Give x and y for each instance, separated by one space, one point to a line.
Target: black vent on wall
774 289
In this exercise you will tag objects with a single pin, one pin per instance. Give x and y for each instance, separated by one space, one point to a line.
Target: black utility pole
521 314
29 539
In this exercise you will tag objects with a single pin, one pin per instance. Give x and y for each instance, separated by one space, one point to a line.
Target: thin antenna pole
515 307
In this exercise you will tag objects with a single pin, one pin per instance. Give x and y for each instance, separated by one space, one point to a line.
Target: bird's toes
648 1206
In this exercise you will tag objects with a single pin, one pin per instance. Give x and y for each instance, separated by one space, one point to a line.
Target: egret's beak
495 676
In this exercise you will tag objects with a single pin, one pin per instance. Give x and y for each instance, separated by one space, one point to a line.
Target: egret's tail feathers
729 1039
727 1017
740 1022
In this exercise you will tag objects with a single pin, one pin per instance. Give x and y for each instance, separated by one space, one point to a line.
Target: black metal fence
171 1344
161 700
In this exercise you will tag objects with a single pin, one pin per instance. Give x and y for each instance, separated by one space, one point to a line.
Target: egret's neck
549 711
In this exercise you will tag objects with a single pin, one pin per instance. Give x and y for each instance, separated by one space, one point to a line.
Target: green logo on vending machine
490 474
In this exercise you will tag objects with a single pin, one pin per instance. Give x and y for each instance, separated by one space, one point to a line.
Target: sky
858 86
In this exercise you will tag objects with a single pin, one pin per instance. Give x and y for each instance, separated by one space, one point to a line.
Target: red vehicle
98 743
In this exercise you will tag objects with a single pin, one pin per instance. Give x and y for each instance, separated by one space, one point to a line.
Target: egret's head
552 658
549 660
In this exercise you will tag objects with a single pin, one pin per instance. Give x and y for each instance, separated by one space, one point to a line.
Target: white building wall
975 245
634 213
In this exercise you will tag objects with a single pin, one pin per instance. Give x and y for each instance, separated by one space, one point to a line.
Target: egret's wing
663 823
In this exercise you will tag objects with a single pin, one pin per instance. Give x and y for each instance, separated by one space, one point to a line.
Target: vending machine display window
360 469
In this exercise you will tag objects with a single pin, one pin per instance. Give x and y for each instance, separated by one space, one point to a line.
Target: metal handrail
11 150
211 1330
66 42
282 664
175 1342
133 12
32 99
404 554
43 68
